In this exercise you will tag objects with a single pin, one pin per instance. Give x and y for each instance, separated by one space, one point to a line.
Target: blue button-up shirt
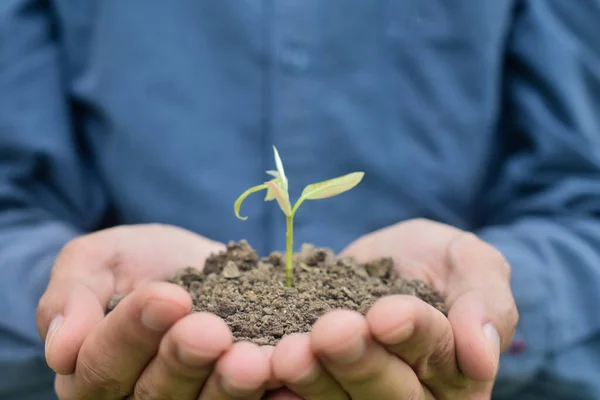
480 114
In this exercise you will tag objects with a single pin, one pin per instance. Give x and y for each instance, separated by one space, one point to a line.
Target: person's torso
180 102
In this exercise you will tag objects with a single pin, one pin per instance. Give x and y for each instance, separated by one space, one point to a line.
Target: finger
242 373
78 311
282 394
115 353
363 368
273 383
482 312
295 364
73 303
422 337
186 358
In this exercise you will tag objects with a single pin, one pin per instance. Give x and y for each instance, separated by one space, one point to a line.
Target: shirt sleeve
543 209
48 194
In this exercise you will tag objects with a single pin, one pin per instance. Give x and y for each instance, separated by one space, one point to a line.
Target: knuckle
99 379
500 262
460 251
144 391
98 246
467 250
511 321
440 358
507 311
370 369
61 389
43 313
513 317
67 257
494 257
71 248
417 222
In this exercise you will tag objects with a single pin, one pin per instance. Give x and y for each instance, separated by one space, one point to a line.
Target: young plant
277 188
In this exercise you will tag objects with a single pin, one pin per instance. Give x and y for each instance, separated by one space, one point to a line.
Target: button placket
293 90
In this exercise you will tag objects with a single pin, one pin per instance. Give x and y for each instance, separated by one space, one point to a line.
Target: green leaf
281 196
280 170
331 187
240 200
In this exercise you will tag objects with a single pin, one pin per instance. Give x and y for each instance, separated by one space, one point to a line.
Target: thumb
73 304
482 310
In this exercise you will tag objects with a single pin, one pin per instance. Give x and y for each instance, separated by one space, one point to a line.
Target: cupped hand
150 346
404 348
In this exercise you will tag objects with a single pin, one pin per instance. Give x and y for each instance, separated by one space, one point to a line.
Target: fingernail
493 339
350 354
308 376
233 389
194 358
55 324
159 315
398 335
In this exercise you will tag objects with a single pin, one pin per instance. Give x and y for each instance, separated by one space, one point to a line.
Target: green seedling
277 188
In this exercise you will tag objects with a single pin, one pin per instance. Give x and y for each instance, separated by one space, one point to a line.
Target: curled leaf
240 200
281 196
331 187
270 194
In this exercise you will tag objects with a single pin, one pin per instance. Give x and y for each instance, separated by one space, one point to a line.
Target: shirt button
295 57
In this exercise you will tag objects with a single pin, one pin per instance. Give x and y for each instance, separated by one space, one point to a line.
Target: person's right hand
149 346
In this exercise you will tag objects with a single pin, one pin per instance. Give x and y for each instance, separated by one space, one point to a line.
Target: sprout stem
289 247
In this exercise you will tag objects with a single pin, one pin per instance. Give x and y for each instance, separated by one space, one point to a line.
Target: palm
419 249
143 253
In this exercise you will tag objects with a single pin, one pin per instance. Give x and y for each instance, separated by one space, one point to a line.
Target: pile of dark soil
249 294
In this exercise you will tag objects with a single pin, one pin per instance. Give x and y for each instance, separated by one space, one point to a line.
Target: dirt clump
249 293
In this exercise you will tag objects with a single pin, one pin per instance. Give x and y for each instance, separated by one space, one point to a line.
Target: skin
404 348
150 347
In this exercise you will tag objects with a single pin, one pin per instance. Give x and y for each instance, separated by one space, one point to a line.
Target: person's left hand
404 348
